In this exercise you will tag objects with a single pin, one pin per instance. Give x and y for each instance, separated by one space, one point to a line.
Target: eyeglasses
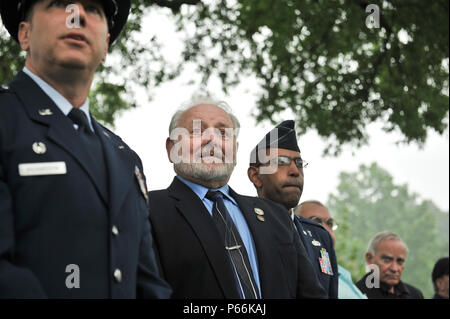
286 161
329 222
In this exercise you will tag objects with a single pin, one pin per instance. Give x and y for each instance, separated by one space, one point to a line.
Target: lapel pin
121 147
309 233
259 212
260 218
106 134
45 112
39 148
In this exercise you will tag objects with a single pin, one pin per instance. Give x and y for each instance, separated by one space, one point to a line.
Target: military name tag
42 169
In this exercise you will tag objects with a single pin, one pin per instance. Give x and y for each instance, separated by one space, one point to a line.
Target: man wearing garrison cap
276 171
73 200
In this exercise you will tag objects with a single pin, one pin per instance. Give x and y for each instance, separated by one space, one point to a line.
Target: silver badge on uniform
39 148
45 112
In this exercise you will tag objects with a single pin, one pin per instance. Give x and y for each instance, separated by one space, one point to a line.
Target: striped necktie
234 247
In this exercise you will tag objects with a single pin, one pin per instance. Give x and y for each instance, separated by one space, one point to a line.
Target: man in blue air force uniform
73 201
276 171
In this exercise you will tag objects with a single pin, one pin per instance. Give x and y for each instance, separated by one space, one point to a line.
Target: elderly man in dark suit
73 201
276 171
211 241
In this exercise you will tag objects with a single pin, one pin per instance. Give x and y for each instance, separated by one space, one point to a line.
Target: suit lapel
261 233
42 109
195 213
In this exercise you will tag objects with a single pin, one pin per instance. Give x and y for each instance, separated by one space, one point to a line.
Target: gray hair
199 100
382 236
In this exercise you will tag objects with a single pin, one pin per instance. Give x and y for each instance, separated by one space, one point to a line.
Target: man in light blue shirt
236 215
211 241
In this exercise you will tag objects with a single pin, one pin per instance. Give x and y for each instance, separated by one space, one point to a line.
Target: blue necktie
93 147
234 247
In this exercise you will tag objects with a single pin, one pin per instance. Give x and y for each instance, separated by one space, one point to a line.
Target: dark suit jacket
52 221
310 233
194 262
401 291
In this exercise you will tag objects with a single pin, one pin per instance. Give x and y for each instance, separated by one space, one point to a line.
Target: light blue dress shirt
236 215
346 288
61 102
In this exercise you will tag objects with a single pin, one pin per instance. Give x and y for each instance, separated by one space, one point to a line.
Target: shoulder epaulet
109 132
113 135
304 220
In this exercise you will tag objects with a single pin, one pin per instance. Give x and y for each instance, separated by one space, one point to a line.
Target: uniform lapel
195 213
303 237
264 243
120 167
42 109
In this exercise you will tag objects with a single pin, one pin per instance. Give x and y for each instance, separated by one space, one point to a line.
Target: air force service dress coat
53 218
193 259
319 246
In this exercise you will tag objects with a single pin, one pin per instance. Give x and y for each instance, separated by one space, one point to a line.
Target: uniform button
118 275
115 230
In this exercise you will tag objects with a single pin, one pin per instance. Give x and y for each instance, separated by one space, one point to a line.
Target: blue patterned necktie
234 247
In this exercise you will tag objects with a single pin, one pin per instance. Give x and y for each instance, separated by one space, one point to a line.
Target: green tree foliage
368 202
317 58
320 60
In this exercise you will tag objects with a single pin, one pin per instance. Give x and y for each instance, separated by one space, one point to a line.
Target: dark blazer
52 221
315 238
193 260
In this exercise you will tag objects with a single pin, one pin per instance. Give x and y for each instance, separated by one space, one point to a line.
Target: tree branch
174 5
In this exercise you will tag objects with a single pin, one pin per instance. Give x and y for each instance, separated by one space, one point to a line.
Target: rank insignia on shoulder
325 264
141 182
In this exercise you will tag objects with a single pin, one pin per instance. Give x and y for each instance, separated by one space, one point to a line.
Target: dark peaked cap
287 139
14 11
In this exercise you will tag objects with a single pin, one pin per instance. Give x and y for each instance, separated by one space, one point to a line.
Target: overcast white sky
145 129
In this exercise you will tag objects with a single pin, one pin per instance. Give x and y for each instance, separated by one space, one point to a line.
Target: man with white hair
212 242
386 256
